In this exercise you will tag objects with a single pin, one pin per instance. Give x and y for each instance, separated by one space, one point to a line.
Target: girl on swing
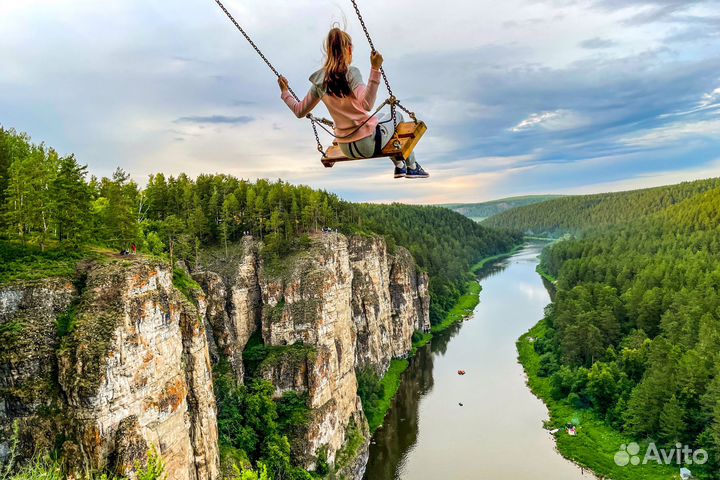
349 101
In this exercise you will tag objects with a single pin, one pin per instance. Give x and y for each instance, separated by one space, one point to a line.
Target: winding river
497 432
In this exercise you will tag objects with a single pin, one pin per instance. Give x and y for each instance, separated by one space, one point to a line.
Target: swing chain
274 70
372 45
317 139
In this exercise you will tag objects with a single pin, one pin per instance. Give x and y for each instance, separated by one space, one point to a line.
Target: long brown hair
337 48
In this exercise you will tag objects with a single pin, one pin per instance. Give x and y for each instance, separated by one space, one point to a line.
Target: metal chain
312 119
393 101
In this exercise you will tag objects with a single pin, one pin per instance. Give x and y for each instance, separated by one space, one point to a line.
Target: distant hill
573 214
481 211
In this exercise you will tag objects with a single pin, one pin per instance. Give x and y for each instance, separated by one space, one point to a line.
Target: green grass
18 262
596 443
544 274
482 263
464 307
420 339
187 286
389 386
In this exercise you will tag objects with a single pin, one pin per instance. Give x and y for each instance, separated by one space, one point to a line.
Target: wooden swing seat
409 134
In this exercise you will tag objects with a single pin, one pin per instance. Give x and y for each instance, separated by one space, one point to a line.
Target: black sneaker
400 172
416 172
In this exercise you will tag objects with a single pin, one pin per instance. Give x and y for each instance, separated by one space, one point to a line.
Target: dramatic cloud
547 95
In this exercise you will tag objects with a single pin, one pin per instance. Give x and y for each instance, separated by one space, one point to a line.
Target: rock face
233 303
341 305
390 301
309 303
119 363
28 341
133 372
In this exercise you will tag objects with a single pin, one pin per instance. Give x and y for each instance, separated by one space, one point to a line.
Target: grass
544 274
420 339
463 307
389 385
18 262
482 263
596 442
187 286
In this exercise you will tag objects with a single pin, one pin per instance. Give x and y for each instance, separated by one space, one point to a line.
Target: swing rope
319 121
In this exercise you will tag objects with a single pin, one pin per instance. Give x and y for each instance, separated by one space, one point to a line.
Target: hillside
577 213
633 332
480 211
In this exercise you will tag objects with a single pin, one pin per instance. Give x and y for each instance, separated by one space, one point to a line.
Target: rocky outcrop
308 302
341 305
390 301
233 302
132 371
28 341
113 366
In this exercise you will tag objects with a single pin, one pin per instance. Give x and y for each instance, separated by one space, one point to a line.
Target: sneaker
400 172
416 172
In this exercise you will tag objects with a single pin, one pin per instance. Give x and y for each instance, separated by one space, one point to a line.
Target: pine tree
672 421
71 198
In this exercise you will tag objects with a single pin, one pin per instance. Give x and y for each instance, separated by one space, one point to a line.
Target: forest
634 329
52 214
575 214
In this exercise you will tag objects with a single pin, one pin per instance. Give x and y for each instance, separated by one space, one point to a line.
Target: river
498 432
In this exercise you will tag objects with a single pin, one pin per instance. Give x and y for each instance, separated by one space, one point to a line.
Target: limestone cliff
341 305
130 370
118 360
390 301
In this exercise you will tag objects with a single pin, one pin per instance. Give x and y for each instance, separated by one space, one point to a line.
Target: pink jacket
348 112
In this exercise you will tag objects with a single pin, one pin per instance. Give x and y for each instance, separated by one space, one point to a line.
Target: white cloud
709 101
113 95
671 134
556 120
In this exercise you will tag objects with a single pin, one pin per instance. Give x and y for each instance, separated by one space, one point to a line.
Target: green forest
575 214
633 333
53 214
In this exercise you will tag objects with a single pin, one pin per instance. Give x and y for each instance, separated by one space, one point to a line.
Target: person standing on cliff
340 86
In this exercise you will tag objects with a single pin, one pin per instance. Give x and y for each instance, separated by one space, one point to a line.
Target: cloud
597 43
550 102
554 121
216 119
709 101
676 132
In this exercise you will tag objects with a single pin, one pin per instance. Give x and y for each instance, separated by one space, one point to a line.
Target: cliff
108 369
119 361
341 305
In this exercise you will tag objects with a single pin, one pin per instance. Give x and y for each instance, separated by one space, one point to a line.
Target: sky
520 96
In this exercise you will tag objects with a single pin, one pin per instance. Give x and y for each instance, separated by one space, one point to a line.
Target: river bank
596 443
